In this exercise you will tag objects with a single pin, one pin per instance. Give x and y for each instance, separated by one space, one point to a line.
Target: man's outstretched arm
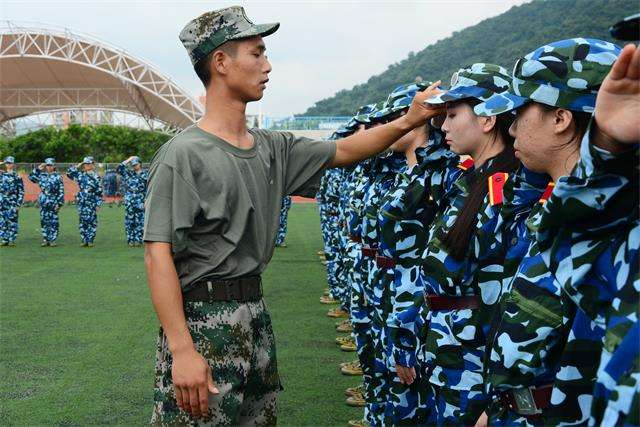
192 379
363 145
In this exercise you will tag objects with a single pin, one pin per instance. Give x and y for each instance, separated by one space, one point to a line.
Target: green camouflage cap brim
563 74
482 81
398 101
363 114
207 32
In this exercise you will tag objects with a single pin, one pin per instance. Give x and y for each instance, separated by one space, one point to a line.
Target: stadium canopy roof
44 68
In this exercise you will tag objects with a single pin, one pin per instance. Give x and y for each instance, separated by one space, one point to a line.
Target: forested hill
500 40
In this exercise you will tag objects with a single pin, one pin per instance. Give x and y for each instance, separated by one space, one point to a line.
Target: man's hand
41 166
420 112
192 381
406 375
618 102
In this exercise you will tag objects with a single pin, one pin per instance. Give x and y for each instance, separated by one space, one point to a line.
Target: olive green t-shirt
219 205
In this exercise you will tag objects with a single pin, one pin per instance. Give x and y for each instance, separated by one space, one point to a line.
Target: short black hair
203 67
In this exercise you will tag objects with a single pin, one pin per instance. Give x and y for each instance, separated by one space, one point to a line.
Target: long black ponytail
458 238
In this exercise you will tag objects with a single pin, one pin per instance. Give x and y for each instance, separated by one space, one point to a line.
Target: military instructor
211 220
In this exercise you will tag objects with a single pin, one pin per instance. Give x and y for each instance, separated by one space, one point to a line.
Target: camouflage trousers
133 224
49 224
364 349
237 341
407 405
458 407
87 222
8 224
380 374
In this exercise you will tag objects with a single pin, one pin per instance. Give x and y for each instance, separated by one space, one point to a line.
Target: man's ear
220 62
562 120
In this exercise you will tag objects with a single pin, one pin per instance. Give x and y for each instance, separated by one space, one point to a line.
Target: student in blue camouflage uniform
384 171
50 199
134 182
455 291
284 214
88 199
329 190
11 197
342 263
544 354
403 218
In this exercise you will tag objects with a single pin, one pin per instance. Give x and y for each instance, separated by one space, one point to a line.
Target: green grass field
78 330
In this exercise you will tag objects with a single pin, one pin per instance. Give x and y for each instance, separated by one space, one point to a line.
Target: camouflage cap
565 74
50 161
204 34
87 160
364 113
628 29
481 81
135 161
343 131
9 159
398 101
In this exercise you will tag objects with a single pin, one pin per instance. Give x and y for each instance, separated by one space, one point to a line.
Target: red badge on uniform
467 164
547 193
496 185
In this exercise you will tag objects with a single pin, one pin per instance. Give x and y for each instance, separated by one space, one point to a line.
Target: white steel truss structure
90 116
47 68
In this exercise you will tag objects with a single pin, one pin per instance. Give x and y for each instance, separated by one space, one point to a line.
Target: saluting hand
420 112
41 166
618 102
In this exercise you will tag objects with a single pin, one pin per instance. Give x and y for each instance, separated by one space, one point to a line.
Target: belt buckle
524 401
209 291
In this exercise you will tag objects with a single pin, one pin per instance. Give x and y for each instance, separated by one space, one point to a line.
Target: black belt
209 290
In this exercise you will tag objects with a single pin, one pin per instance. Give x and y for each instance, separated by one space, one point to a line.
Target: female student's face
535 139
463 129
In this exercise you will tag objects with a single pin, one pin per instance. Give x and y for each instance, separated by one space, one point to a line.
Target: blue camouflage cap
564 74
364 113
87 160
207 32
50 161
9 159
135 161
481 81
343 131
398 101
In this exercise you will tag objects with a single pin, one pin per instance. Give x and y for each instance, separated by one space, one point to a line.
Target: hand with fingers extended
407 375
421 112
618 102
41 166
192 381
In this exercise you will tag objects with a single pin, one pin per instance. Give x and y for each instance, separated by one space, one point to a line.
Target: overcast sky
320 48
